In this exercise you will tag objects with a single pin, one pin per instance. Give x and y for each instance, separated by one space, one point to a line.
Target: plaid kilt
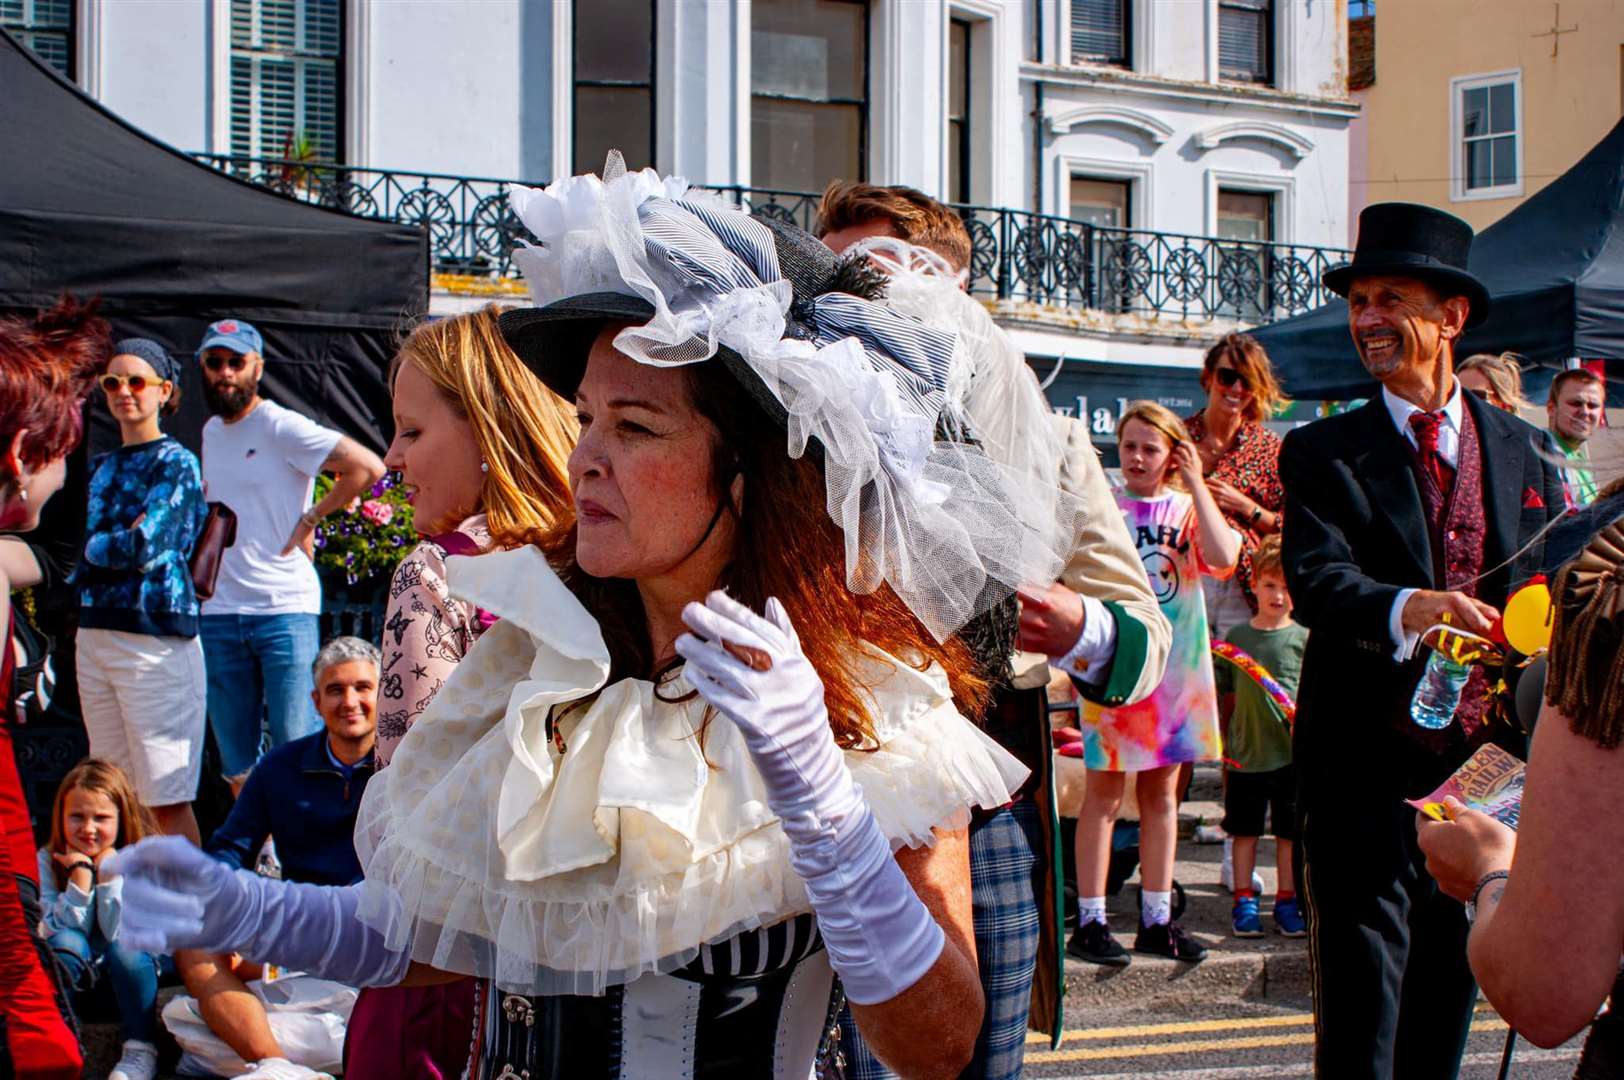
1006 927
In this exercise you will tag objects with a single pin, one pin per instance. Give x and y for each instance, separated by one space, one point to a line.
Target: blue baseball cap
233 334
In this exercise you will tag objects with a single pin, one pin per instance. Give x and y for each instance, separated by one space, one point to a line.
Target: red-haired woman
1240 458
709 758
46 367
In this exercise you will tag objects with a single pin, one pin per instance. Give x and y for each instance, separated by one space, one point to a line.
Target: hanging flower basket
360 545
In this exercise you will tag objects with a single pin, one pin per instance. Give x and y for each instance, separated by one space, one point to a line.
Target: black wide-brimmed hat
553 341
1411 240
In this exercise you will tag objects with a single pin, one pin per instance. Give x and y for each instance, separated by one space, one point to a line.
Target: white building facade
1147 173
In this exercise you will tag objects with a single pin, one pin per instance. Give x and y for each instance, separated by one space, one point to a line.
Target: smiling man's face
1400 323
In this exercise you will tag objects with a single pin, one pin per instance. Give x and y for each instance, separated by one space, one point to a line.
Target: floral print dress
1252 467
426 633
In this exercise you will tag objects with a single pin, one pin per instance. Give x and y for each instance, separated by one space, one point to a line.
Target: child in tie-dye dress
1181 536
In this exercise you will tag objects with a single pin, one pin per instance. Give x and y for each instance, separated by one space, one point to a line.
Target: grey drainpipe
1037 112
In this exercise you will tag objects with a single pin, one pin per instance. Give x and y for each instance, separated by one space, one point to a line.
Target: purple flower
379 487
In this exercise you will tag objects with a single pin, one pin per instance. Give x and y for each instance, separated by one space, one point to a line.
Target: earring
22 494
484 466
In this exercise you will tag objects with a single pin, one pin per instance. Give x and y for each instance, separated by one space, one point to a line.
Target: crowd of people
707 733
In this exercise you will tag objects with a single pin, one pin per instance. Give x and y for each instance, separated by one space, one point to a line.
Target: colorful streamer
1246 665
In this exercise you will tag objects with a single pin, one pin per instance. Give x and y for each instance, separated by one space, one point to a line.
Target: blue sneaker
1248 923
1288 918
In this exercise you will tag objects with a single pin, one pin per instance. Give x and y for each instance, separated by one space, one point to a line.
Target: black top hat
1411 240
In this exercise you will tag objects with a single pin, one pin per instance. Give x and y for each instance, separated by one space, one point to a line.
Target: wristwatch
1257 515
1471 905
310 519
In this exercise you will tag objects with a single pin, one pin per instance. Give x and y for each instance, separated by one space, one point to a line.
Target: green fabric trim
1127 663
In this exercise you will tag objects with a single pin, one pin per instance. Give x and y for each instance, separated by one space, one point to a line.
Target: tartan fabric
1006 928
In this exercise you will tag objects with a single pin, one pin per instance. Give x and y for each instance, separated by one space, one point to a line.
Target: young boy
1258 746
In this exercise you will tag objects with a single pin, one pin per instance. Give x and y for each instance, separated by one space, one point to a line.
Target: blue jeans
132 975
259 676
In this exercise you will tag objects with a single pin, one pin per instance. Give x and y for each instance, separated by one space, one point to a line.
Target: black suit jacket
1354 535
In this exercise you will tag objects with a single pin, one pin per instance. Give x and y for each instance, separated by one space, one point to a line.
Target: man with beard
1408 511
259 630
1574 411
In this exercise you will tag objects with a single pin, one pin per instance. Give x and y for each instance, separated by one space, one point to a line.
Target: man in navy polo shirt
304 795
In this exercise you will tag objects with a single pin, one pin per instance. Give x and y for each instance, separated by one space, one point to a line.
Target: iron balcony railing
1015 254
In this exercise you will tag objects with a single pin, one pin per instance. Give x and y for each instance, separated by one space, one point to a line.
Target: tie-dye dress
1178 722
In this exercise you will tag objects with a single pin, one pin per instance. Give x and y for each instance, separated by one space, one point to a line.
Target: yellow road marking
1193 1027
1194 1046
1200 1046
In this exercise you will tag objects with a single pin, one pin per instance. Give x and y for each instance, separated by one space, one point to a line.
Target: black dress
761 1004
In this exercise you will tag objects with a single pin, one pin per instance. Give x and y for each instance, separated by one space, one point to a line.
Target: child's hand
68 859
101 857
1188 464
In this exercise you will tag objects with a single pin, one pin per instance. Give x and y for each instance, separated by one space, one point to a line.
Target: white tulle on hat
952 528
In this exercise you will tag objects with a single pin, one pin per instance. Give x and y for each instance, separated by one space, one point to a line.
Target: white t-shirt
263 467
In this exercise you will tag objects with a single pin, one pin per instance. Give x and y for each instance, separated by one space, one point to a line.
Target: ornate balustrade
1016 255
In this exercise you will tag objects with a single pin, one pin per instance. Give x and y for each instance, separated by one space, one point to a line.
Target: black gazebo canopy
91 205
1554 266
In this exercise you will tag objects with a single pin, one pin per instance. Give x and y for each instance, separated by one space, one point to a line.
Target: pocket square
1533 500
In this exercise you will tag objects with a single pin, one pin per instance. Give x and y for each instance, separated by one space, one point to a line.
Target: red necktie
1425 425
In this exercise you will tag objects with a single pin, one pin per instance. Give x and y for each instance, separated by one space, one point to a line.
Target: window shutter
1243 39
284 76
1099 30
43 26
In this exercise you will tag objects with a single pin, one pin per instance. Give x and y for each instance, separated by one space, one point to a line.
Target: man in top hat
1408 511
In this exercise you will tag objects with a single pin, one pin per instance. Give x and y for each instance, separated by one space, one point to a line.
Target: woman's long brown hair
786 546
135 821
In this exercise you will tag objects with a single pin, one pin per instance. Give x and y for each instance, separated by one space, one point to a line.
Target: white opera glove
176 897
881 938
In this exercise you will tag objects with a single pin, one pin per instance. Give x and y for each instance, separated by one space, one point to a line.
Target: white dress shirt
1448 449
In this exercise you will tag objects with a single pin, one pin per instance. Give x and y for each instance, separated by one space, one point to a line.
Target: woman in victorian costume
709 771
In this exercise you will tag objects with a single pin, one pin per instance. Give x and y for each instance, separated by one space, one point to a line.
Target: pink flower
377 511
355 504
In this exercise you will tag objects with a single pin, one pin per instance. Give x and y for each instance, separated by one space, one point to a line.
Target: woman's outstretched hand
175 897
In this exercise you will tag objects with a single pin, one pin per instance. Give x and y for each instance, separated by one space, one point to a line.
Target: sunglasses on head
1228 377
137 383
1479 391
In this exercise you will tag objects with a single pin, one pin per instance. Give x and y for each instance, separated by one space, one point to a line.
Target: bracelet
1257 515
84 864
310 519
1487 879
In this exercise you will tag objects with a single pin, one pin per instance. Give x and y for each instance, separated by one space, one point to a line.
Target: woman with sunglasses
1239 458
139 660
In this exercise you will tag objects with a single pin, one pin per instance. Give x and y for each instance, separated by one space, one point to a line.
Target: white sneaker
139 1061
281 1069
1226 872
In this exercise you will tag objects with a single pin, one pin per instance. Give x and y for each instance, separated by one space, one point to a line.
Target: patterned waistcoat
1457 526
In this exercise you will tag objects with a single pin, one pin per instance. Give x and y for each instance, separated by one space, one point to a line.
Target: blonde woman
481 447
1495 379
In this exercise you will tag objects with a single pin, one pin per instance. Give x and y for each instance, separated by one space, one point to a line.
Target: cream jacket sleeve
1105 565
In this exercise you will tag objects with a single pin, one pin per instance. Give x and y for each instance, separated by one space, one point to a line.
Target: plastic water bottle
1438 695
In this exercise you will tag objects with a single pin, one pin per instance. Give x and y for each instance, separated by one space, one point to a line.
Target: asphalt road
1246 1041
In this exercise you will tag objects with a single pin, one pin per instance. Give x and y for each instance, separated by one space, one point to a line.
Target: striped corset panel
759 1004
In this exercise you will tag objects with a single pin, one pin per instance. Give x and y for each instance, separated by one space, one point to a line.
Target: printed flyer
1490 781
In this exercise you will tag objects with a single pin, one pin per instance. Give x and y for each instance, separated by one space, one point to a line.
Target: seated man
304 796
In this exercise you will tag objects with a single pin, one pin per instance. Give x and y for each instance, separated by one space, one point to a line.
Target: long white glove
176 897
881 938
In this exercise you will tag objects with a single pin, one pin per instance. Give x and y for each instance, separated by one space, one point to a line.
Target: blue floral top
134 576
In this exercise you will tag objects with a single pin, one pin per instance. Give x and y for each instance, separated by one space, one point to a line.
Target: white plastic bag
307 1016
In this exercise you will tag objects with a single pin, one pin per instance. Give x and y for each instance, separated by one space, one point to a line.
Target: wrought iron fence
1015 254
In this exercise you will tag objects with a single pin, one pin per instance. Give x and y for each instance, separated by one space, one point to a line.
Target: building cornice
1138 84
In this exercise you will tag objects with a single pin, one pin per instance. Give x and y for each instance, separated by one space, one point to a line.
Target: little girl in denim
96 813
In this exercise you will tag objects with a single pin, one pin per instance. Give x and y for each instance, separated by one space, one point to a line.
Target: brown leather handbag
219 532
